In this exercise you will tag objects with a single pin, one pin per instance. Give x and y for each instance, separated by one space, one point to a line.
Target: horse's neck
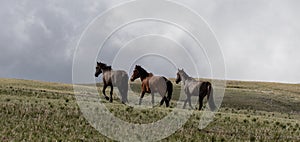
186 78
106 71
107 68
146 75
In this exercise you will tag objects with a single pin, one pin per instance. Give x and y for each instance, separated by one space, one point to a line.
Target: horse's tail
169 88
210 97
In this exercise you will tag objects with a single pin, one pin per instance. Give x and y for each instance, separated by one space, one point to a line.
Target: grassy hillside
33 110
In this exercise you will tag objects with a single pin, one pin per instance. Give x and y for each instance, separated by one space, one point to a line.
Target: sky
259 38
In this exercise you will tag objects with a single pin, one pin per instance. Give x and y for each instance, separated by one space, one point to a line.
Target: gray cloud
38 37
259 38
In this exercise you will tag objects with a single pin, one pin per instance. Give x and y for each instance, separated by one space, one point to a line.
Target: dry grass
41 111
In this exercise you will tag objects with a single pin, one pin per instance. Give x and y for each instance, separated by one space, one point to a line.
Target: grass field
251 111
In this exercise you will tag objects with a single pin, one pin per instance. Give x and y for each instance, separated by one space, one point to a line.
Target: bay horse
117 78
153 84
193 87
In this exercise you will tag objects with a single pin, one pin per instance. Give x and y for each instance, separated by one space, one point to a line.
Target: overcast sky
259 38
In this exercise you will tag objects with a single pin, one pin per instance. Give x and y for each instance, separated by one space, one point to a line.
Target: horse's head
179 74
99 68
136 73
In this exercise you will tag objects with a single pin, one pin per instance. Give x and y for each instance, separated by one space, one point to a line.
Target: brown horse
112 78
196 88
153 84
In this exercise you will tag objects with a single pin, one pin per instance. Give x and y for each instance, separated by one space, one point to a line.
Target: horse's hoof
107 98
110 100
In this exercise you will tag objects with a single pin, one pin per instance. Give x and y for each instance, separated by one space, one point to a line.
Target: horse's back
120 73
119 77
193 87
157 84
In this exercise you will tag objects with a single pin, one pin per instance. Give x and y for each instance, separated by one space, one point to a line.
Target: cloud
38 37
259 38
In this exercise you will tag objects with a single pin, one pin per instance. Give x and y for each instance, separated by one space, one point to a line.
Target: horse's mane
107 68
186 75
142 71
104 66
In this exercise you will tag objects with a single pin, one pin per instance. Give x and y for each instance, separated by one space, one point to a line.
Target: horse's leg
152 95
111 93
187 96
185 103
200 102
142 95
202 94
167 102
103 91
162 101
190 103
122 93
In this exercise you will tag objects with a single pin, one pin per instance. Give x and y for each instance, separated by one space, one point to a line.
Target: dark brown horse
196 88
113 78
153 84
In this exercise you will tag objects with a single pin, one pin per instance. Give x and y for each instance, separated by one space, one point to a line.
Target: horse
118 78
153 84
196 88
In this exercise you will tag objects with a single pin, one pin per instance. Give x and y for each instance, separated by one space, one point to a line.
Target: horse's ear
98 63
